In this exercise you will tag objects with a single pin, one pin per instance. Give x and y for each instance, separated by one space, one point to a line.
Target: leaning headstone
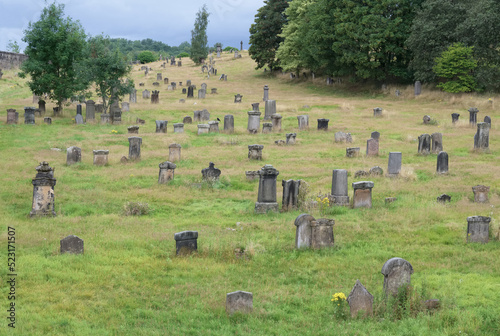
161 126
253 122
89 111
372 147
276 122
71 244
239 301
266 200
186 242
266 93
352 152
303 122
323 124
397 272
43 191
203 128
454 117
322 233
362 197
179 128
478 229
187 120
360 301
290 194
12 116
444 198
267 127
377 112
424 144
473 116
343 137
255 152
270 109
303 232
418 88
291 138
437 142
29 115
228 123
442 163
166 172
340 194
481 193
73 155
211 173
134 148
394 166
482 136
133 129
213 127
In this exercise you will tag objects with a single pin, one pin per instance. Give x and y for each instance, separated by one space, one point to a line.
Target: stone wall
9 60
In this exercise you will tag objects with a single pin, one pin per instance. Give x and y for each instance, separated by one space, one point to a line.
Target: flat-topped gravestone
29 115
362 197
323 124
202 94
322 233
203 128
266 200
339 193
360 301
303 121
186 242
394 166
251 175
229 123
211 173
276 122
47 120
267 127
166 172
478 228
213 126
125 107
290 194
473 116
239 301
397 272
161 126
101 157
442 163
71 244
73 155
89 111
133 96
12 116
255 152
343 137
481 193
133 129
270 109
134 148
455 117
190 91
253 122
178 128
377 112
43 191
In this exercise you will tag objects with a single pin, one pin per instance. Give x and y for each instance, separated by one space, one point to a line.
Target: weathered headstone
442 163
105 118
158 76
323 124
213 91
267 127
454 117
478 229
125 107
487 119
276 122
437 142
394 166
340 194
362 194
179 128
251 175
43 191
133 129
174 152
71 244
266 93
322 233
12 116
352 152
188 83
372 147
238 98
270 109
133 96
211 173
47 120
376 171
204 115
161 126
166 172
482 136
134 148
424 144
426 119
155 97
360 300
73 155
146 94
187 120
255 152
481 193
201 93
303 232
377 112
213 126
186 242
29 115
444 198
239 301
165 80
229 123
418 88
473 116
89 111
343 137
266 200
255 107
303 121
290 194
41 106
203 128
253 122
397 272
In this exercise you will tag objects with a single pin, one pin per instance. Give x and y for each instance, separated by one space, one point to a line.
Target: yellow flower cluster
324 201
339 297
114 132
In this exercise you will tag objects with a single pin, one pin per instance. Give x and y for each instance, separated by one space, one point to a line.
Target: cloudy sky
168 21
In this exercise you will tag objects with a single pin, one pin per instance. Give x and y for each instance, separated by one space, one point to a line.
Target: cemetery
270 212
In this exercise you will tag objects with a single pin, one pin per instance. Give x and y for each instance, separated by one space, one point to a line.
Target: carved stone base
262 208
339 200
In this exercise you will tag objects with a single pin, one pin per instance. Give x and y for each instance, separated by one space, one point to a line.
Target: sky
168 21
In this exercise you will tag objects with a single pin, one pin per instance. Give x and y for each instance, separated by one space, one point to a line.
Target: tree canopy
199 39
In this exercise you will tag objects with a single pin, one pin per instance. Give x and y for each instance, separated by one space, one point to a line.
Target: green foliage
55 46
12 46
456 65
136 209
199 40
107 69
146 56
229 49
183 54
265 33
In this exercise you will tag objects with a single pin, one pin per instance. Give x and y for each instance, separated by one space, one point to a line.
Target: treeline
434 41
133 48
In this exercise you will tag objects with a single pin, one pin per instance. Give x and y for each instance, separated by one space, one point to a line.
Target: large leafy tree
199 40
107 69
55 45
265 33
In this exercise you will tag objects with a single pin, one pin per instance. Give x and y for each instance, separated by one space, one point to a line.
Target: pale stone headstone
322 233
229 123
161 126
179 128
291 138
105 118
166 172
213 126
133 96
266 200
418 88
303 121
146 94
303 233
255 152
343 137
73 155
203 128
339 193
267 127
174 152
276 122
125 107
134 148
481 193
43 191
266 93
397 272
71 244
362 197
158 76
478 228
270 109
360 300
201 93
186 242
377 112
290 194
253 122
204 115
239 301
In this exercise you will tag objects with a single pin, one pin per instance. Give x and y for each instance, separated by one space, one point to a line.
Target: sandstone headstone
322 233
255 152
481 193
276 122
174 152
43 191
166 172
397 272
362 194
101 157
71 244
213 126
343 137
12 116
372 147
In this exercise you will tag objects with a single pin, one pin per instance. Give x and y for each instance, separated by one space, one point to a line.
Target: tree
108 69
12 46
146 56
265 33
456 65
55 45
199 40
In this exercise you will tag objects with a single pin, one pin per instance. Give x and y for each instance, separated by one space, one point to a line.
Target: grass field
130 282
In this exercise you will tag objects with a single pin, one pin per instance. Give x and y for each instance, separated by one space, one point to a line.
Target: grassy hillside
130 282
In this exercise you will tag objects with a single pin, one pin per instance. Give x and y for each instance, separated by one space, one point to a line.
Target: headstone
186 242
394 166
203 128
211 173
253 122
179 63
251 175
201 94
134 148
426 119
12 116
291 138
270 109
213 91
372 147
323 124
158 76
161 126
436 142
473 116
352 152
190 92
29 115
188 83
73 155
343 137
165 80
266 93
166 172
377 112
214 127
179 128
442 163
280 142
454 117
362 194
424 144
303 232
187 120
444 198
89 111
290 194
267 127
266 200
397 272
276 122
47 120
41 106
228 123
133 129
204 86
238 98
105 118
240 301
140 121
255 152
376 171
322 233
133 96
418 88
35 98
360 300
182 101
204 115
340 194
155 97
174 152
71 244
146 94
125 107
303 122
57 112
481 193
43 191
487 120
478 229
255 107
99 108
482 137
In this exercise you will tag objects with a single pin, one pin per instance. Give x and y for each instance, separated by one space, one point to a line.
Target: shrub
136 209
183 54
146 56
455 65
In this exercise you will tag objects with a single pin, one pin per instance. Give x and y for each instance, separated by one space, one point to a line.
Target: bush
146 56
183 54
136 209
230 49
456 65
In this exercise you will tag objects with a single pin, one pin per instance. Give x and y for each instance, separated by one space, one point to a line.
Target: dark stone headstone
72 244
211 173
442 163
186 242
